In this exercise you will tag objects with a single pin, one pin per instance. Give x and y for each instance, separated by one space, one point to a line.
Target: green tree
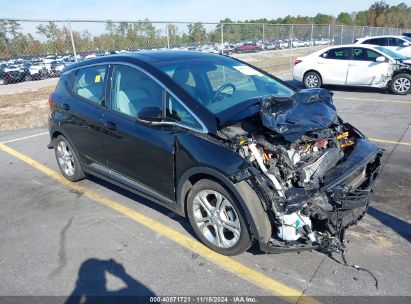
344 18
323 19
50 30
361 18
197 32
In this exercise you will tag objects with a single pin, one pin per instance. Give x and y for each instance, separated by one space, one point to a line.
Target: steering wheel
221 89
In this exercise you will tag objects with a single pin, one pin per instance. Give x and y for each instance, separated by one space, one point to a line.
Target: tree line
56 36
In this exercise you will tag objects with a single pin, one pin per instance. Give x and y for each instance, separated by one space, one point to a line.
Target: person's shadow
91 285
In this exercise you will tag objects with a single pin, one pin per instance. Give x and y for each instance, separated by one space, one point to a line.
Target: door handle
65 107
110 125
351 64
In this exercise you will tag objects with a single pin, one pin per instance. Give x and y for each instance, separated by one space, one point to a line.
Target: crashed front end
313 172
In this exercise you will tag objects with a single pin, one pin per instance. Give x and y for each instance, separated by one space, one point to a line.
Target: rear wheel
312 80
217 218
401 84
67 160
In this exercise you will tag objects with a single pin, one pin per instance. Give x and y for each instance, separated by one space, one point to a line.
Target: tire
202 207
312 80
67 160
401 84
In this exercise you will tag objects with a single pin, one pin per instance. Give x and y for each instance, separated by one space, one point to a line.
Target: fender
254 212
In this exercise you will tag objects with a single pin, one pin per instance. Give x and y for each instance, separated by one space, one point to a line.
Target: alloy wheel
402 85
216 218
65 158
312 81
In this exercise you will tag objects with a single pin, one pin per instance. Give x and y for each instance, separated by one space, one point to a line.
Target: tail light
297 61
51 101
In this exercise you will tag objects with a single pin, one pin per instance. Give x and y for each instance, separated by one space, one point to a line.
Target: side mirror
406 43
380 59
149 115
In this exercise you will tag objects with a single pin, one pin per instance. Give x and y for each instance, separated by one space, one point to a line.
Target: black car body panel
307 110
330 182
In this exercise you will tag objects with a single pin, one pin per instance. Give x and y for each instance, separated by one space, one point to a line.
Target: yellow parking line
390 142
258 279
376 100
23 138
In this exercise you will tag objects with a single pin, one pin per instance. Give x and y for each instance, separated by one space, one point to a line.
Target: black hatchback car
242 154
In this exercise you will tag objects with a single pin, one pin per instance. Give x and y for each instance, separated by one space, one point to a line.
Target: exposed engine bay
314 171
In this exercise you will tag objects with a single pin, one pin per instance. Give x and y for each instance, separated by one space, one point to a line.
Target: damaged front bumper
341 201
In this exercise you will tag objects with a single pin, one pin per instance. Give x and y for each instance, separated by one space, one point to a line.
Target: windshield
391 53
407 38
222 83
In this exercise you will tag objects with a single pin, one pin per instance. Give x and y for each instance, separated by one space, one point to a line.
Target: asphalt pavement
95 238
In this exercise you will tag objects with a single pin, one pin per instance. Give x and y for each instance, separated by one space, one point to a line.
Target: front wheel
312 80
217 218
401 84
67 160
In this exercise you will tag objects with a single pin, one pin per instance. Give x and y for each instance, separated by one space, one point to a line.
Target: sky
176 10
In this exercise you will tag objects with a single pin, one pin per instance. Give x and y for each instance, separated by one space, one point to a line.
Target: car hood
307 110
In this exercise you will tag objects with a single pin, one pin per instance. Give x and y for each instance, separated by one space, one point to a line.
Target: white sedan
399 44
355 65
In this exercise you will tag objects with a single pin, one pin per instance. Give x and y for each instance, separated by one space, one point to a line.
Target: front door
139 155
364 70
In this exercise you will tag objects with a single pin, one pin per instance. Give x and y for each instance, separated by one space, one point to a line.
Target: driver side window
176 112
133 90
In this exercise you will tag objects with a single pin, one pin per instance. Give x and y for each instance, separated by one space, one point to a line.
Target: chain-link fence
38 50
32 50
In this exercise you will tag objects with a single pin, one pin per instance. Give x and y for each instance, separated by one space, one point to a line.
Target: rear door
364 70
138 155
80 111
333 65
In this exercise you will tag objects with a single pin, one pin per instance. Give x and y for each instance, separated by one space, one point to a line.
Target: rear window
377 41
89 83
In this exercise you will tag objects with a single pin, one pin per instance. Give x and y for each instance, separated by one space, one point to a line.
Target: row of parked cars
38 68
18 70
241 47
379 62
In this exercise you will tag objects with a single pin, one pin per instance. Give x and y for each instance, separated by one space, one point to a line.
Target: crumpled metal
307 110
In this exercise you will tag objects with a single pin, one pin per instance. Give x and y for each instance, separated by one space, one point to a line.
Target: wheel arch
255 215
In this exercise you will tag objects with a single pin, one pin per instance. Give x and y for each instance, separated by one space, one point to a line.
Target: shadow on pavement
146 202
399 226
91 285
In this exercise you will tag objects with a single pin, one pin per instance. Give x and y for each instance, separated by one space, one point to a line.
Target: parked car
248 48
14 74
399 44
355 65
283 44
37 71
228 49
56 67
239 152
